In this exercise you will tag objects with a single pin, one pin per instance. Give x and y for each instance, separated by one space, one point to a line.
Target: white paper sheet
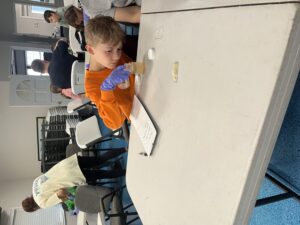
143 125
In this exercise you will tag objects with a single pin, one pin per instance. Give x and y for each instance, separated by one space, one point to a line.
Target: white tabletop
154 6
217 124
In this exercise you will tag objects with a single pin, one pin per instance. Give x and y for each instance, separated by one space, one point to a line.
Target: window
38 9
32 11
30 56
45 1
22 58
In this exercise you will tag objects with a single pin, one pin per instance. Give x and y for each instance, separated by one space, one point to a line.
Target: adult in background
121 10
59 68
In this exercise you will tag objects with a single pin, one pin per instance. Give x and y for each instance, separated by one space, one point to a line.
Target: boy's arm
130 14
111 111
48 201
115 104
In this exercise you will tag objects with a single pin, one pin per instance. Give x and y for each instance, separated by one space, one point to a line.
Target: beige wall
18 153
18 150
11 195
18 140
13 192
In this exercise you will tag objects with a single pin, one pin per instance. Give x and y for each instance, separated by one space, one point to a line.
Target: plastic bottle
133 68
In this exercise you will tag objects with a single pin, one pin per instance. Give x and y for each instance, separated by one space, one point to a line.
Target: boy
56 16
50 188
60 66
104 43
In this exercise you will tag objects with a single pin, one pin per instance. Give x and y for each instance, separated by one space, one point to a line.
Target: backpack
79 35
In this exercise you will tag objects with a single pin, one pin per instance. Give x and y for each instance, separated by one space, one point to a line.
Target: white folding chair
88 133
74 44
77 77
77 104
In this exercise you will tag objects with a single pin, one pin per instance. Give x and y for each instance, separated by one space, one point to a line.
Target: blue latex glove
117 76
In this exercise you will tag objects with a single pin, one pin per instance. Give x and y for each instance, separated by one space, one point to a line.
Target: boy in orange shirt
104 39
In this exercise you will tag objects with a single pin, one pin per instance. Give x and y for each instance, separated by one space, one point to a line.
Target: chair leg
132 220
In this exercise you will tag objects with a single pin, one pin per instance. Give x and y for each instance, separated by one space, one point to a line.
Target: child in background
66 92
56 16
75 17
51 187
104 39
121 10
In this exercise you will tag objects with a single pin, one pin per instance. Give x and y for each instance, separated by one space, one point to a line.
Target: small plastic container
133 68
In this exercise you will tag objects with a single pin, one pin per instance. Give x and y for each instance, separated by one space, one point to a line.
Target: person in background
74 17
60 66
104 39
50 188
121 10
66 92
56 16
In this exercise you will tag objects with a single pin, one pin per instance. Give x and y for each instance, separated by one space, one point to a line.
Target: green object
72 191
71 196
70 204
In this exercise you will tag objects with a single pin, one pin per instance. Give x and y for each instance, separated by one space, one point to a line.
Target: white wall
11 195
13 192
18 140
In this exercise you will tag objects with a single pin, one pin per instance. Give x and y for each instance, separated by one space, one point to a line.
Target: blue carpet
280 213
285 162
284 167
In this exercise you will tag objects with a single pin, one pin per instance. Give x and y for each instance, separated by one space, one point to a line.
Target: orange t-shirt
113 106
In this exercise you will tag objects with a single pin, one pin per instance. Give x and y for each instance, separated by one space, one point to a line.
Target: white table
218 123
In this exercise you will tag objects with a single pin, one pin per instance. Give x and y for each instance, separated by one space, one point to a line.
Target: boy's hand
117 76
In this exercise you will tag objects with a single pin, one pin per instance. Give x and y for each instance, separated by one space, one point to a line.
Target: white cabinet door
219 119
28 90
152 6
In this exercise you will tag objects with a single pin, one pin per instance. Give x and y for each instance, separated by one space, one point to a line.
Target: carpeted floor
286 212
284 167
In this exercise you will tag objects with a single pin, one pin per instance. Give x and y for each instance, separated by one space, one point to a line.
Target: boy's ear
89 49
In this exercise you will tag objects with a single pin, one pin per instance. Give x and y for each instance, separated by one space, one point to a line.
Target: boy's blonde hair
103 29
